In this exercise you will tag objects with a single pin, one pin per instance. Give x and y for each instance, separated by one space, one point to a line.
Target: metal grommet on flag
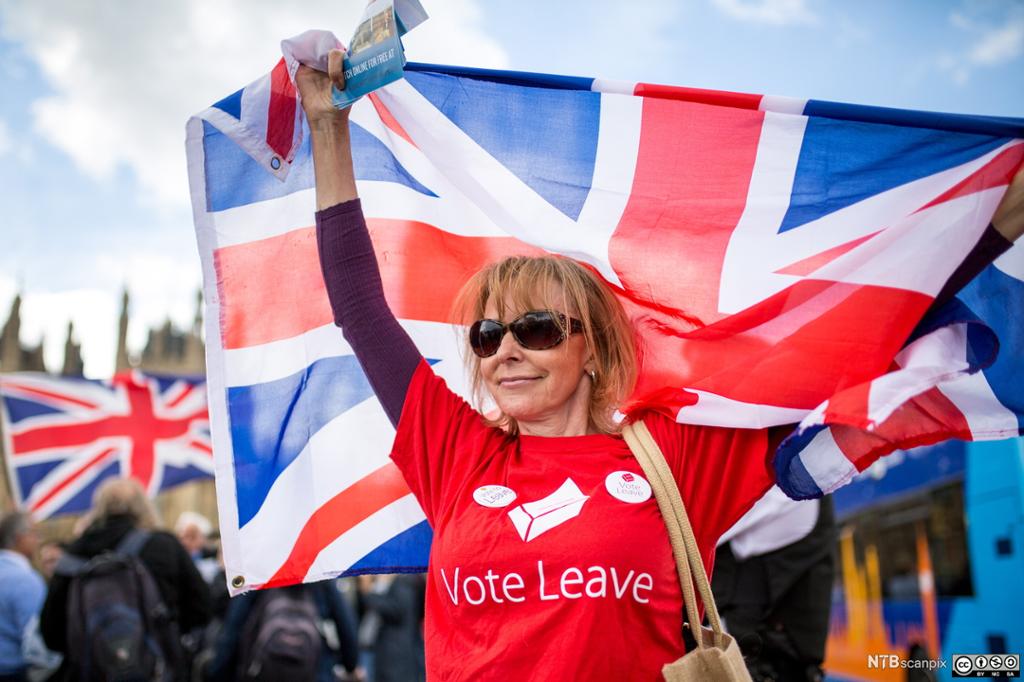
237 581
275 162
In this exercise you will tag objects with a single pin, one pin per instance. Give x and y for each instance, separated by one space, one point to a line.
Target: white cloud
126 76
160 287
994 41
454 34
45 316
775 12
1000 45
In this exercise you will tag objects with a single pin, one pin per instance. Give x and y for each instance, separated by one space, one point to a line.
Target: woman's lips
514 382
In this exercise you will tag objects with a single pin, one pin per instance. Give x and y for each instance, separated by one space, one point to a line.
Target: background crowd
158 607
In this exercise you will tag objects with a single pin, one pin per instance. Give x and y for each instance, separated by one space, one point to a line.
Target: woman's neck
573 419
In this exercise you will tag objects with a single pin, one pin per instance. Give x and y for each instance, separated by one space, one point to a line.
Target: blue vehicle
931 561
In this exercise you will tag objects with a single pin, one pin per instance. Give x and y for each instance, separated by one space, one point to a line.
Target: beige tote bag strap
689 565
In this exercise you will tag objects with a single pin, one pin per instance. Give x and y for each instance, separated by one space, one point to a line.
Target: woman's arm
387 354
328 132
1006 227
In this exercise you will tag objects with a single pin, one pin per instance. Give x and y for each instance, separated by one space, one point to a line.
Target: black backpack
118 628
281 640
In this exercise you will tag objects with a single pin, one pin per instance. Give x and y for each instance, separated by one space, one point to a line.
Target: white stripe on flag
825 462
451 210
178 453
745 278
716 410
363 538
23 383
757 250
347 449
264 219
782 105
121 446
42 421
618 144
499 192
987 418
941 235
283 358
274 217
925 363
255 106
613 87
247 139
62 452
227 509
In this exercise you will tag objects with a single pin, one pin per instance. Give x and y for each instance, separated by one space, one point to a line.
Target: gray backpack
118 626
281 640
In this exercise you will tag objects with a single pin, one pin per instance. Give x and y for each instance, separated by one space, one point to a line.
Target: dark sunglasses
535 330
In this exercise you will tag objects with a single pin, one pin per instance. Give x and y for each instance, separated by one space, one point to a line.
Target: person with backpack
122 593
297 633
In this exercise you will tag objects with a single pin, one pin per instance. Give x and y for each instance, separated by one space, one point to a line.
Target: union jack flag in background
776 256
64 436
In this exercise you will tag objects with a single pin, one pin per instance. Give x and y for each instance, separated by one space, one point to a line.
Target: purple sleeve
386 353
991 245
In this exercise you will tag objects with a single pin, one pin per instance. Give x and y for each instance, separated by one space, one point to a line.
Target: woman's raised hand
315 90
328 131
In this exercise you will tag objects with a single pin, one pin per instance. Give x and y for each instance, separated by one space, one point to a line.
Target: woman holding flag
550 559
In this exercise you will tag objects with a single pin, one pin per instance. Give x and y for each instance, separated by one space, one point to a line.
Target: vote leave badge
628 487
494 496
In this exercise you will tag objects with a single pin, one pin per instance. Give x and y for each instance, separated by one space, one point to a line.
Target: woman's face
546 391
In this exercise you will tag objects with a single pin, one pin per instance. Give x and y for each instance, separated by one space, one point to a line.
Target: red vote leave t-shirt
550 558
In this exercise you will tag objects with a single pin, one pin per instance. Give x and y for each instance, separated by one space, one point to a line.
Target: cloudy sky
96 96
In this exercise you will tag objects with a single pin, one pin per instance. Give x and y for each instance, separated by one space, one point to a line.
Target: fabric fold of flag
776 256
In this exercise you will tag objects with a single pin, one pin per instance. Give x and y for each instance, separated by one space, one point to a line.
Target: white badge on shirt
628 487
494 496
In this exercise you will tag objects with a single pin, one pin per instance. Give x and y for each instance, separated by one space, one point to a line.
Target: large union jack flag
776 255
64 436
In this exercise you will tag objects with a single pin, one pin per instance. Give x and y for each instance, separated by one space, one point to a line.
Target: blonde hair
125 496
525 283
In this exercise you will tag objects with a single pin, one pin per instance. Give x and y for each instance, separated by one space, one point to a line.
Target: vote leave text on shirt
592 582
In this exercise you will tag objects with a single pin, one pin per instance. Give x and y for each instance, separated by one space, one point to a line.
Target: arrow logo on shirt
534 518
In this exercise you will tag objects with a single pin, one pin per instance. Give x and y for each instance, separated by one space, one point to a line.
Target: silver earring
593 374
